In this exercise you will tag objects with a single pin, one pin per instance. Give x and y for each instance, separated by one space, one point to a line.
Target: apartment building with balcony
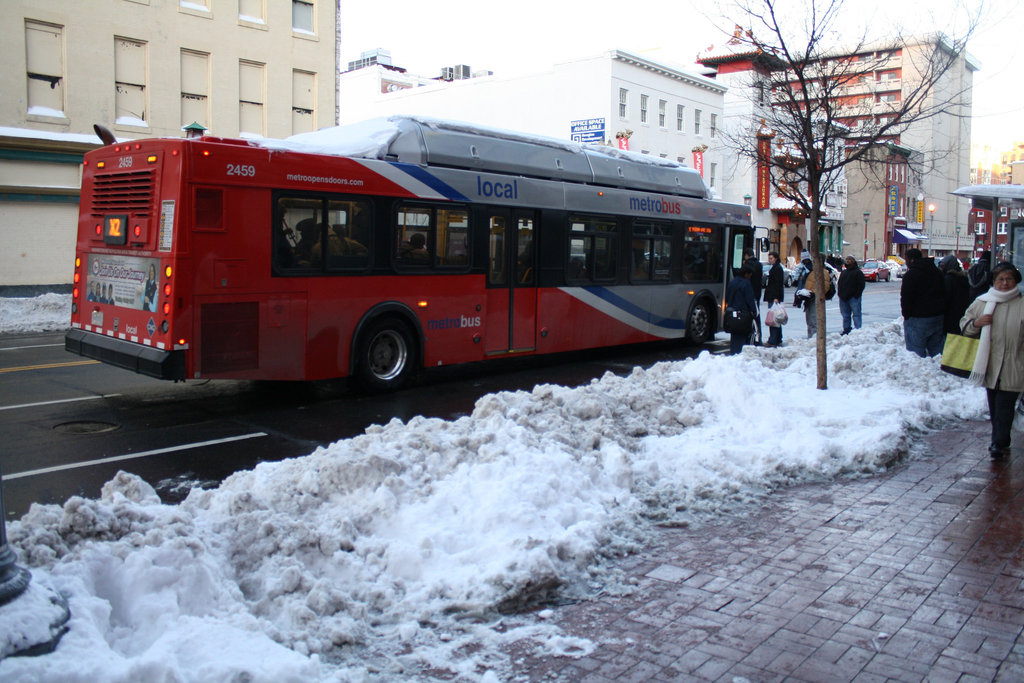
916 167
142 68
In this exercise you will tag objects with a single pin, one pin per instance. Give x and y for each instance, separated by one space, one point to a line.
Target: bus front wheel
385 356
700 325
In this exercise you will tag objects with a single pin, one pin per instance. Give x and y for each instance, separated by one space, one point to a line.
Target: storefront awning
905 236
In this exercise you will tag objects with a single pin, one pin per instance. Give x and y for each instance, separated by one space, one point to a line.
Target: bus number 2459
244 170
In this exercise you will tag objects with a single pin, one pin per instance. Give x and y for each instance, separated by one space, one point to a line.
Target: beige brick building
142 68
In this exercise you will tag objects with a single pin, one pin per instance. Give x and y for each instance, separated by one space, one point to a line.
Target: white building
660 110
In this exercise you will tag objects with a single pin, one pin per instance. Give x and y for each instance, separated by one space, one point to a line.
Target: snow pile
44 313
412 546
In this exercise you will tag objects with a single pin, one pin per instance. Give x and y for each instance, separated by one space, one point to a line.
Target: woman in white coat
997 317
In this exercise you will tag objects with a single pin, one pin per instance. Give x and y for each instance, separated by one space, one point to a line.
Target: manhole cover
86 427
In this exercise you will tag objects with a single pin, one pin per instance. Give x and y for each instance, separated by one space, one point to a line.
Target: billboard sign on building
894 198
587 131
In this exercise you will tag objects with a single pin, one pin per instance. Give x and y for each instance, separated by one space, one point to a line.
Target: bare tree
807 103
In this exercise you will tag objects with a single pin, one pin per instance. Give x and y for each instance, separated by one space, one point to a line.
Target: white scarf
991 298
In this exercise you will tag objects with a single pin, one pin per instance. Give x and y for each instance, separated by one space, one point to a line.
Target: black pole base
37 620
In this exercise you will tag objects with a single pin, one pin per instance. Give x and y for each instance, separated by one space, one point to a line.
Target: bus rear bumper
144 360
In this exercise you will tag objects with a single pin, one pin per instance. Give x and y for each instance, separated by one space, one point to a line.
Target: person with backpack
806 294
739 294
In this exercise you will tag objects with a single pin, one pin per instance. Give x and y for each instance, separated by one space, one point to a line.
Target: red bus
375 250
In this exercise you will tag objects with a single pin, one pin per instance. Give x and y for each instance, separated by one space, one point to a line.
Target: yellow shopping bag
958 354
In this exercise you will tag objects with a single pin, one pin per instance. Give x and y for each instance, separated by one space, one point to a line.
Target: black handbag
737 321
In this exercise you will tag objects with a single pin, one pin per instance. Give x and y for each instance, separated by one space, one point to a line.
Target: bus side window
413 228
348 234
298 241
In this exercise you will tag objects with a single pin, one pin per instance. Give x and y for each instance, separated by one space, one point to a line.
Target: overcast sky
529 35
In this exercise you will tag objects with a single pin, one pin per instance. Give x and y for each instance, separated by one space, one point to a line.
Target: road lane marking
68 364
60 400
131 456
29 346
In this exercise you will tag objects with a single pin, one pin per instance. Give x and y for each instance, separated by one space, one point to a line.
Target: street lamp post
931 229
957 252
867 215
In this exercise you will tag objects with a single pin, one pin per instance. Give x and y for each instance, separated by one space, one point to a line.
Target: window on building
643 108
1004 211
714 124
201 5
130 82
252 10
303 101
714 172
696 121
44 56
680 111
623 100
251 97
979 228
302 16
1001 228
195 88
889 97
662 112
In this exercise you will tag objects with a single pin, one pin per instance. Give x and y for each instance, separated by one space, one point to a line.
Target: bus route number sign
115 229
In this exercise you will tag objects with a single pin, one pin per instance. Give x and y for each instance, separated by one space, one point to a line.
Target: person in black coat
957 291
979 276
774 292
739 294
849 290
923 305
756 276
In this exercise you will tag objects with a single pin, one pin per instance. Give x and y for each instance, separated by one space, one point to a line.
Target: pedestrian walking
923 305
739 294
957 292
850 289
997 317
756 277
774 293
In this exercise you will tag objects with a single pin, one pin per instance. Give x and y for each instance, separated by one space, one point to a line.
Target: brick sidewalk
911 575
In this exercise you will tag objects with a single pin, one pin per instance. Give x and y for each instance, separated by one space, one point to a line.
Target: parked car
787 275
875 271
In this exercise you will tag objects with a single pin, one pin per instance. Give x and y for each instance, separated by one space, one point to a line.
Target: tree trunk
821 285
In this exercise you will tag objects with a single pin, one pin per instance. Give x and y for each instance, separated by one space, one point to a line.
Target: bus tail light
167 308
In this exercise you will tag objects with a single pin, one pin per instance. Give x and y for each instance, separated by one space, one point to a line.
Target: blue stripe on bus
634 310
430 181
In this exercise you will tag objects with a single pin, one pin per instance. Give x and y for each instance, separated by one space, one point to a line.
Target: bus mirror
762 244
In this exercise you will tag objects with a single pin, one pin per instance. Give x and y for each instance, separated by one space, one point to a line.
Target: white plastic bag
777 315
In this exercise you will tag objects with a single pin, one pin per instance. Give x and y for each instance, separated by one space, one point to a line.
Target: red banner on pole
698 161
764 178
624 143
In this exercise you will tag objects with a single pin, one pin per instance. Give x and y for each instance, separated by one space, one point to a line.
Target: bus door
742 238
511 281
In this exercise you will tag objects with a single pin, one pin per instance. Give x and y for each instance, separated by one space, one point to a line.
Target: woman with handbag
774 293
740 305
997 317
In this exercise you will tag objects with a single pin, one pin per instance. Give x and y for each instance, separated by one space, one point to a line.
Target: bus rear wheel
700 325
385 356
